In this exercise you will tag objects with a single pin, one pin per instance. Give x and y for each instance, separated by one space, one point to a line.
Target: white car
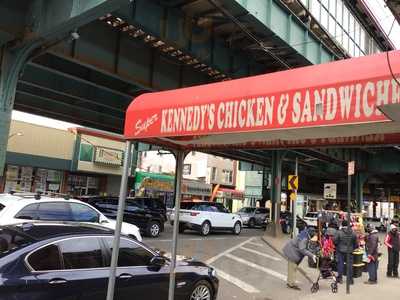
15 209
205 217
311 219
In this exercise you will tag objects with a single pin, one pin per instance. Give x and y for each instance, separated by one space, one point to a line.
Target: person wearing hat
371 245
392 242
345 242
295 250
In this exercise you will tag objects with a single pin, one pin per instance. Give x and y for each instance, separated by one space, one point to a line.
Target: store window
86 152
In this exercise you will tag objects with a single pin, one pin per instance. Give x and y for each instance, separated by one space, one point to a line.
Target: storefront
32 179
231 198
162 186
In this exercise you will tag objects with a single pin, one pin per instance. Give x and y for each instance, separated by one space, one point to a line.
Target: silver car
253 216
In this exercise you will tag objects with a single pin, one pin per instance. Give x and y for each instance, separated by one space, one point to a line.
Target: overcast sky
378 8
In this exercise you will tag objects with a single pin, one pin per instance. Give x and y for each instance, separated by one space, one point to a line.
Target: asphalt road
246 266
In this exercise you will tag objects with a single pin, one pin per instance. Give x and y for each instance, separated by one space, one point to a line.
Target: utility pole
350 172
294 204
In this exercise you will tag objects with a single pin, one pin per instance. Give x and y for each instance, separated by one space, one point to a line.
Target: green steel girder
50 20
182 31
274 16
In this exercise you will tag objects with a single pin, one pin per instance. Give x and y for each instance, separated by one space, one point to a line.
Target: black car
149 214
40 261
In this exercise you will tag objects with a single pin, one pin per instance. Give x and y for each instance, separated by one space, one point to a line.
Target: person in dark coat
295 250
345 243
392 242
371 245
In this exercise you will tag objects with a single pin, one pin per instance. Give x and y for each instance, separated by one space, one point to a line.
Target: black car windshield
247 210
11 240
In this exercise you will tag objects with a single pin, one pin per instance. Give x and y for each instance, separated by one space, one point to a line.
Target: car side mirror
104 221
157 261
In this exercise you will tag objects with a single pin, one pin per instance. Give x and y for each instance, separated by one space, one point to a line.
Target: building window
228 176
187 169
86 152
213 173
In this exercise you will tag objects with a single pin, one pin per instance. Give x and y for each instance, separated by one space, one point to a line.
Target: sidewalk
385 287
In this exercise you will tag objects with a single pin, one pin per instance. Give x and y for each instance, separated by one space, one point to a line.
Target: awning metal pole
180 156
120 216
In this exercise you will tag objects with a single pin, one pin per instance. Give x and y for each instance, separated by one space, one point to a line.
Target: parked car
376 223
206 217
286 222
25 208
43 261
149 214
253 216
311 219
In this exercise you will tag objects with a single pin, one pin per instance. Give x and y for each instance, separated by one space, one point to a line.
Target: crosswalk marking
236 281
260 253
214 258
255 266
257 244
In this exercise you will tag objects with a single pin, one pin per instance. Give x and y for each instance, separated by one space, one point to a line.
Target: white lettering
346 95
369 89
296 113
260 109
331 104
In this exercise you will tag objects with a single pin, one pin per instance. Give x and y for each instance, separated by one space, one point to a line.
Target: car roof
46 230
7 199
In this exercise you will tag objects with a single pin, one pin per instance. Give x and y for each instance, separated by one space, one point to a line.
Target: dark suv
149 214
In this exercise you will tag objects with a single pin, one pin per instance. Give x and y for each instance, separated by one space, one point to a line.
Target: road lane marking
260 253
257 244
255 266
236 281
214 258
195 239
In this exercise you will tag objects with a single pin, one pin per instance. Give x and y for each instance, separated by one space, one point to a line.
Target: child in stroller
325 262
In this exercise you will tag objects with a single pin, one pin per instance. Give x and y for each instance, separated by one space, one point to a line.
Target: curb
301 271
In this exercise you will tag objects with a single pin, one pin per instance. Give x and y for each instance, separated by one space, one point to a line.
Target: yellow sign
293 182
293 196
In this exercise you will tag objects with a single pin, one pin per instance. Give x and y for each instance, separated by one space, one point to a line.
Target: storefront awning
315 103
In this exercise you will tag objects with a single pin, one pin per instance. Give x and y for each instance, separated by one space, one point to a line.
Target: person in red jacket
392 241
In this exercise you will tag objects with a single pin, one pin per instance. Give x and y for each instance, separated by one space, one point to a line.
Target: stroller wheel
334 287
315 288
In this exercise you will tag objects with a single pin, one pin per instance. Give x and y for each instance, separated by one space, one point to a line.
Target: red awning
315 105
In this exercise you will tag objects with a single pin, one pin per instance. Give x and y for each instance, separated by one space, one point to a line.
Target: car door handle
125 276
57 281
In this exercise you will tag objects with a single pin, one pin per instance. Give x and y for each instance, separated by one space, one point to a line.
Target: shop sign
108 156
330 190
196 188
158 185
230 194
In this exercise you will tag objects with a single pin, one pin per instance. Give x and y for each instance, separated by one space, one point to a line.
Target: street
250 269
246 266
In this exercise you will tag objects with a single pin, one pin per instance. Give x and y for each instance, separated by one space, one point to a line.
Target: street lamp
15 134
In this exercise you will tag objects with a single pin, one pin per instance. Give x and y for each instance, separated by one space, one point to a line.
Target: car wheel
202 291
153 229
205 228
252 223
237 228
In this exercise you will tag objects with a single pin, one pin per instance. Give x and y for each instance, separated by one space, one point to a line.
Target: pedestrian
371 245
295 250
345 243
392 241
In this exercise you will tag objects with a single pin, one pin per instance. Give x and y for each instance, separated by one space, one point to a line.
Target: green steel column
275 228
360 179
12 62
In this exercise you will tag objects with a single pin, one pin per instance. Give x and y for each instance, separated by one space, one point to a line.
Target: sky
377 7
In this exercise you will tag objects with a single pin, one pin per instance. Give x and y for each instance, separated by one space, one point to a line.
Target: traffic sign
351 168
293 196
293 181
330 190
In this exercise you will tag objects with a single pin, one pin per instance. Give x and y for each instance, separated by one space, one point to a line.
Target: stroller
325 263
